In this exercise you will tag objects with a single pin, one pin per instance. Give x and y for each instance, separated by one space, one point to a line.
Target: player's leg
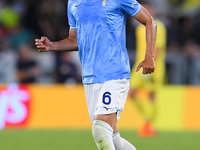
105 102
143 131
153 88
150 108
133 94
121 143
157 78
103 129
147 109
111 119
152 97
137 82
147 128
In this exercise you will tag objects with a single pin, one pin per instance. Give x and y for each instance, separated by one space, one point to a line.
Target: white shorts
106 98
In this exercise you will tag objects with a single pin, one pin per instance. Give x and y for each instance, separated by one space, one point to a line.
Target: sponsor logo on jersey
104 3
134 1
107 108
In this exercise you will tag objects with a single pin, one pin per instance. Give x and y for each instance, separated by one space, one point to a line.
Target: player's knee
132 96
110 119
132 93
152 96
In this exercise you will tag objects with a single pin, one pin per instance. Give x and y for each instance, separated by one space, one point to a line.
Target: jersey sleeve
131 7
71 19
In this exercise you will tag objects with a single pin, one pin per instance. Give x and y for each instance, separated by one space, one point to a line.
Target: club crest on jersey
104 3
134 1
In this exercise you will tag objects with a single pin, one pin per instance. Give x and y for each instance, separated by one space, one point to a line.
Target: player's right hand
148 65
43 44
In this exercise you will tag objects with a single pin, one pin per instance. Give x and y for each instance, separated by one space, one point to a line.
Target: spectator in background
8 60
174 64
20 35
46 17
192 63
67 70
186 30
27 68
47 64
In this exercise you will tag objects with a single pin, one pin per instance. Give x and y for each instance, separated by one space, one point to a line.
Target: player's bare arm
68 44
151 28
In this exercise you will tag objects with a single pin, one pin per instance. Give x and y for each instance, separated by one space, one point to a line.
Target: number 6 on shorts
106 98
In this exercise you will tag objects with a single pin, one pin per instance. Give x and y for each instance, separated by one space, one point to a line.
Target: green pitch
82 140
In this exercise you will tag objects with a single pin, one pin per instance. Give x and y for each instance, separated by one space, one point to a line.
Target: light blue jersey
100 26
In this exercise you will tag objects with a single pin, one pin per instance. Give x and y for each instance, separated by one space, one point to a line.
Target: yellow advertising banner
64 106
58 106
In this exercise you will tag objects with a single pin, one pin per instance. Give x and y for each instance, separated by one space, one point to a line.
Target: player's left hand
148 65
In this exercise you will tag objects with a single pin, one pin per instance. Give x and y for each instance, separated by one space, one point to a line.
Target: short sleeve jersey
100 26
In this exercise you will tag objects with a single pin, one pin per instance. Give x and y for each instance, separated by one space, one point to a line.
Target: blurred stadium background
42 101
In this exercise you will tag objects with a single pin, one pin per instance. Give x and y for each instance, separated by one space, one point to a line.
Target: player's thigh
111 119
91 93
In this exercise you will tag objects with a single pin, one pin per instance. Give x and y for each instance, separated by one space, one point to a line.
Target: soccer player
97 31
151 83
